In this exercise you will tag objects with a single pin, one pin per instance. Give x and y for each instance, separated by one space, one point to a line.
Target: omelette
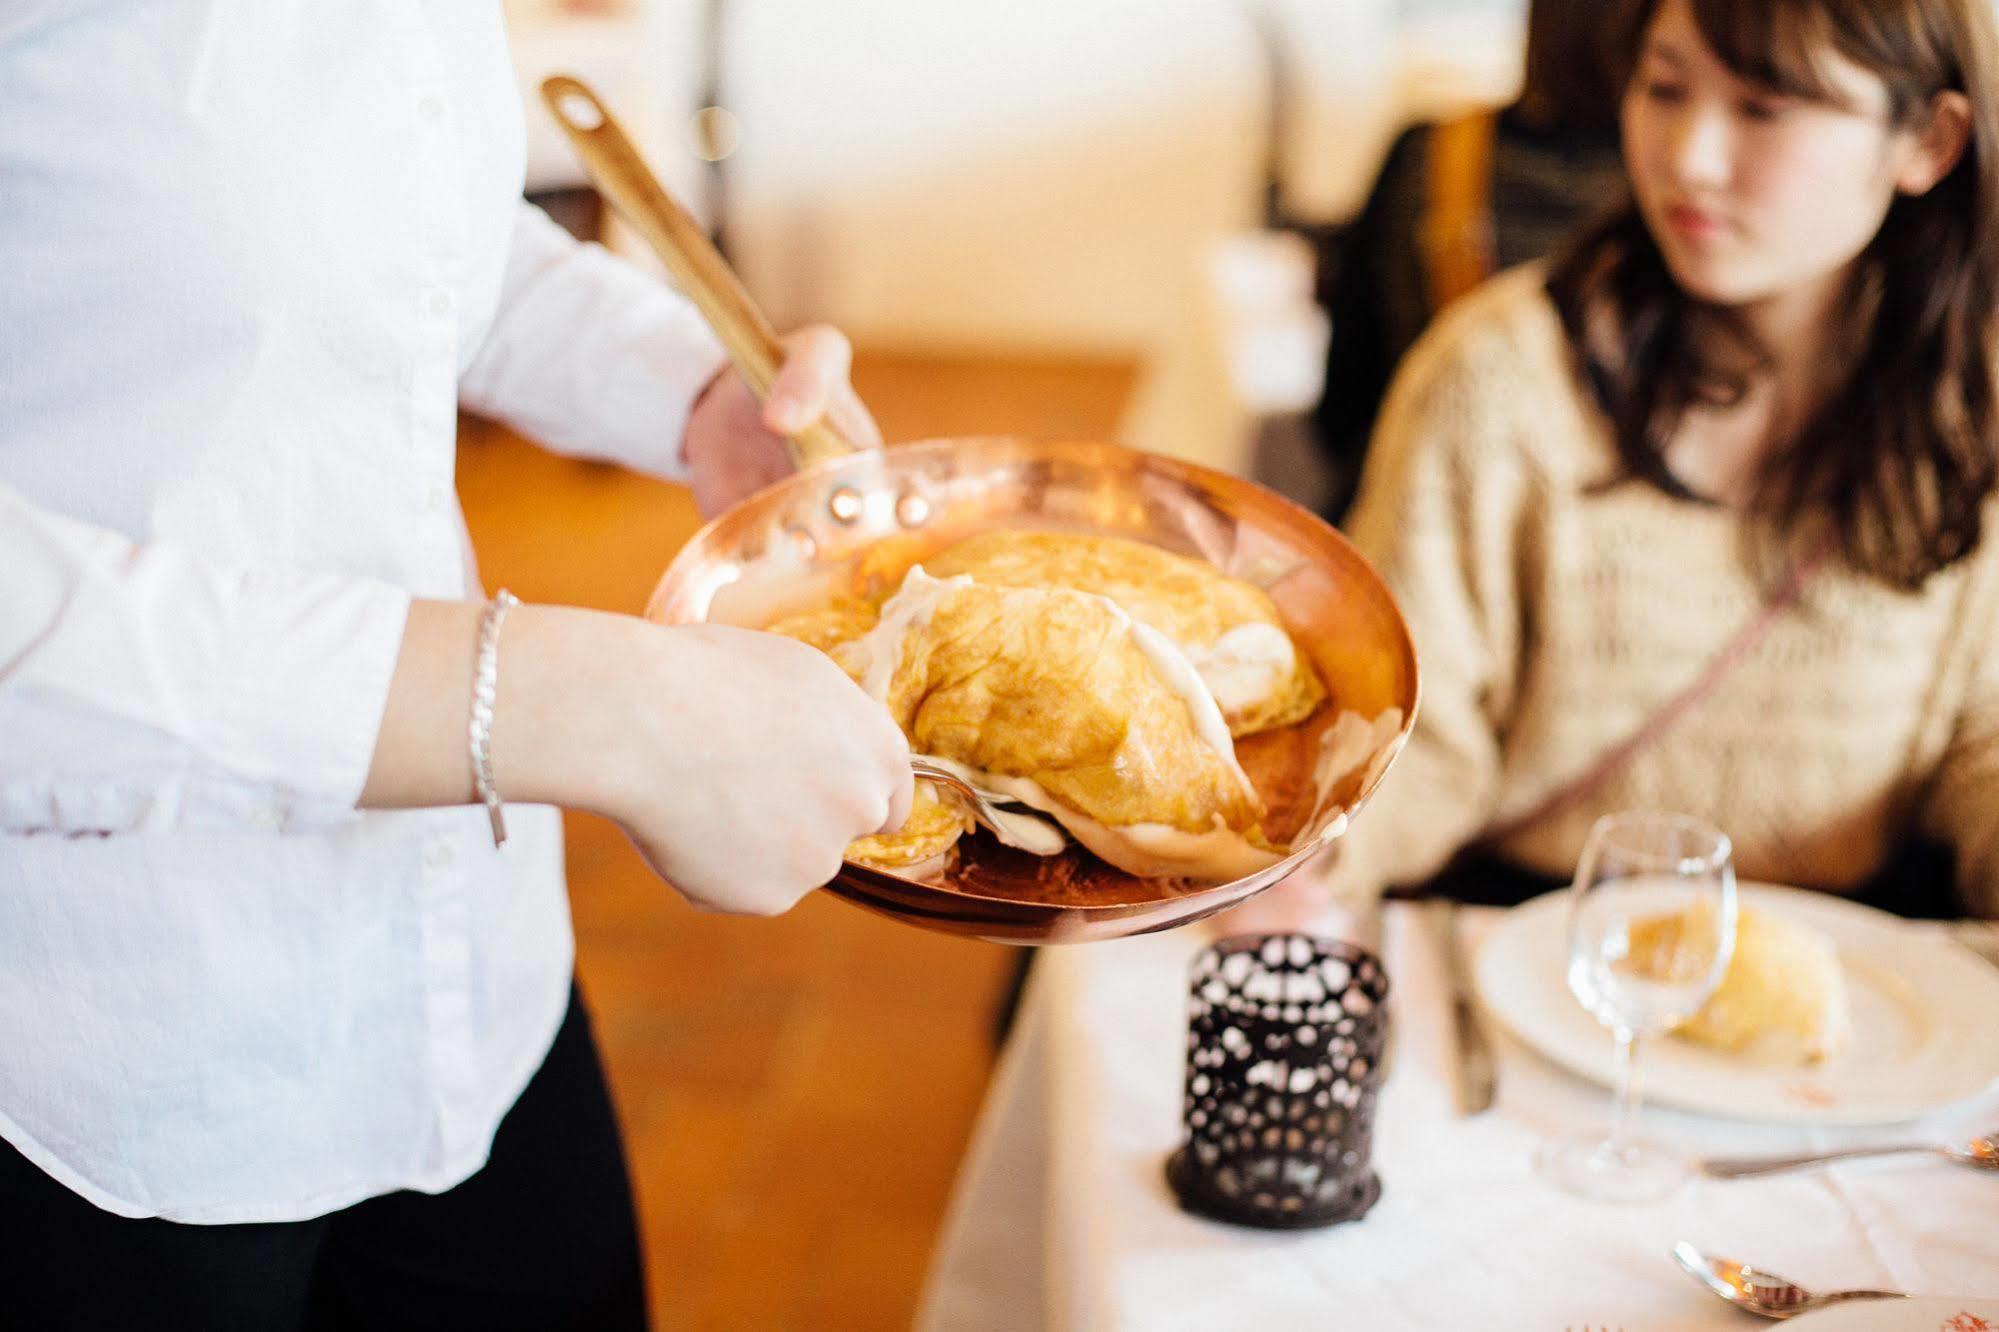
1099 681
1060 700
1227 628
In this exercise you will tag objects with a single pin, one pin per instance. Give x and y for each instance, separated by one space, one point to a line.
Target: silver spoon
1015 827
1762 1292
1980 1152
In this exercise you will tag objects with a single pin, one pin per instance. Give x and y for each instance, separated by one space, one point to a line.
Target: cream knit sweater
1551 620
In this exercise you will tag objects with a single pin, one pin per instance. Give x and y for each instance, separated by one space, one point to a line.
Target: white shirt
252 255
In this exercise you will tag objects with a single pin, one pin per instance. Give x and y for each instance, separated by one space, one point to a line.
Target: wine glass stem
1624 1109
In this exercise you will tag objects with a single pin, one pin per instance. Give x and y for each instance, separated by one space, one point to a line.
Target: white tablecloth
1062 1217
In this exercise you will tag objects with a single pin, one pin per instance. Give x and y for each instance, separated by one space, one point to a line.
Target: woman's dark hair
1569 86
1895 467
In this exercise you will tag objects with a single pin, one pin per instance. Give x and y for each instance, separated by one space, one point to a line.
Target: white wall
1009 174
1043 174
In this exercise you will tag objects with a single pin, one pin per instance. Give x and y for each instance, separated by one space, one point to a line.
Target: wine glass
1651 931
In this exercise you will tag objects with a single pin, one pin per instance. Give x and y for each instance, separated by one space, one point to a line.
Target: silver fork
984 805
1013 824
1983 1153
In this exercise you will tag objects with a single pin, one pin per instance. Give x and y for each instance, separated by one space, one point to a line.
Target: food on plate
1783 995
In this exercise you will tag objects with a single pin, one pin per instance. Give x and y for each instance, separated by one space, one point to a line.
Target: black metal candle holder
1284 1040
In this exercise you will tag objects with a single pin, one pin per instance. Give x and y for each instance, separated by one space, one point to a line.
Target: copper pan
853 521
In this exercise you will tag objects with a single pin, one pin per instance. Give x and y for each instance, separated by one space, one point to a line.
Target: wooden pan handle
618 171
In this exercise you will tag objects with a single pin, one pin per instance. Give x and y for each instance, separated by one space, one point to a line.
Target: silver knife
1477 1080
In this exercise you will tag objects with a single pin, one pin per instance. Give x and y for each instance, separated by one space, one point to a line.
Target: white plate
1928 1314
1924 1033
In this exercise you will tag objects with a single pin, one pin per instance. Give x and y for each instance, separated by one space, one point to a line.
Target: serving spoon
1762 1292
1011 822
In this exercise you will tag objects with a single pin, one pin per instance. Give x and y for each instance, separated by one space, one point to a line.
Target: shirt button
439 855
431 107
439 303
433 499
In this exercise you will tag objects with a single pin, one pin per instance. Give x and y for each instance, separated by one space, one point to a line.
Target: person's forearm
554 739
687 738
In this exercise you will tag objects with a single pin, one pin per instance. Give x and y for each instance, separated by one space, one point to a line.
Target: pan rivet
912 510
845 506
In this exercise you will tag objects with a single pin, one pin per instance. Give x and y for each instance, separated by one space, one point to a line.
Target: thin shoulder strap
1614 759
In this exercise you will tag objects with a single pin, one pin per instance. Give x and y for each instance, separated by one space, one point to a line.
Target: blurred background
1044 177
1061 218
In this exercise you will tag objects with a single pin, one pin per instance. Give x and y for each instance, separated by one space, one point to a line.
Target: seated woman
1455 202
1701 518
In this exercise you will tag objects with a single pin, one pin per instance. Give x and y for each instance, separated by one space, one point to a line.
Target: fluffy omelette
1098 680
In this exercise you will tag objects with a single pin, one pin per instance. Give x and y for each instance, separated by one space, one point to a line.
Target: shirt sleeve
144 687
1437 515
589 355
1961 804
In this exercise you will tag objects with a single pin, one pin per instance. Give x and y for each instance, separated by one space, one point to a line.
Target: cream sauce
1177 673
875 654
1245 665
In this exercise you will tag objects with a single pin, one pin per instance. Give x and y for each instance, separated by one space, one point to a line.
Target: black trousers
543 1237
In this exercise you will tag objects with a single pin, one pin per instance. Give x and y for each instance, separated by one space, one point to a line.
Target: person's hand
740 763
734 445
750 766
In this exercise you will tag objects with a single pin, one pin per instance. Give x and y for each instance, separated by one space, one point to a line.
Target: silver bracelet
485 687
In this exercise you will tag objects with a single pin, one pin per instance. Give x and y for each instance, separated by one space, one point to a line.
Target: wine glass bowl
1651 932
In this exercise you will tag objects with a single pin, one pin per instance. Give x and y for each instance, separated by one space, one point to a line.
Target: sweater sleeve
1440 515
1961 805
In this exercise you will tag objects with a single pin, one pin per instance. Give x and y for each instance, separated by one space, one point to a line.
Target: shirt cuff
301 707
146 686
